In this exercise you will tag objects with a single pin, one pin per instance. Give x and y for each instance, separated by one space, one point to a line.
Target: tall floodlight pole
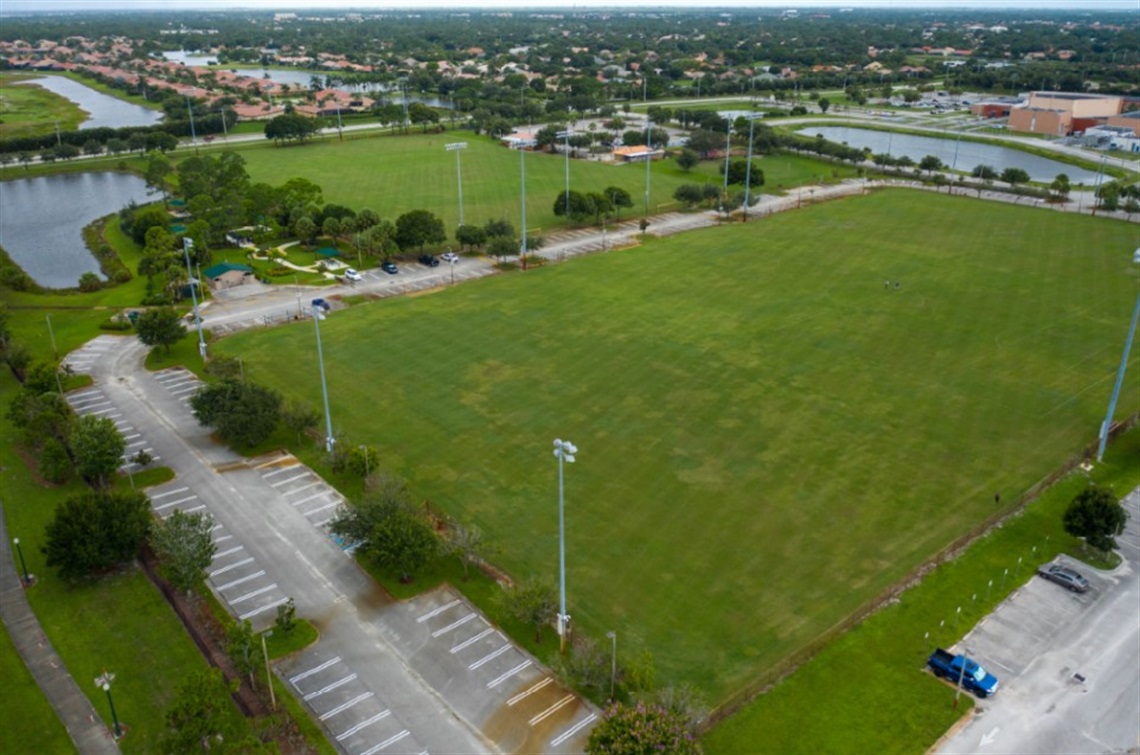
193 134
187 245
648 159
404 86
329 440
727 150
748 167
522 170
457 147
339 127
27 578
564 450
565 137
1104 428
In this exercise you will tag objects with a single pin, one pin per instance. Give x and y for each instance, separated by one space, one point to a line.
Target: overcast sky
13 6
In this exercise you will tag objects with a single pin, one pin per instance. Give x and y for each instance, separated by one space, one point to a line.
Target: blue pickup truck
975 678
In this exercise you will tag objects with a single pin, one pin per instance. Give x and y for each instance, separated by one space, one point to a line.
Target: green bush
117 325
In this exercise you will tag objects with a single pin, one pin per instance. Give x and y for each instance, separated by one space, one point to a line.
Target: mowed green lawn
768 436
395 174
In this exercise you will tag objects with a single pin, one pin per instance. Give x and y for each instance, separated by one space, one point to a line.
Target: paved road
385 676
1039 640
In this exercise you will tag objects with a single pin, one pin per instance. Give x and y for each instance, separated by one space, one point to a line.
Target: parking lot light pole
1107 424
329 440
268 673
456 147
565 137
522 171
187 245
648 159
103 682
748 167
613 661
961 675
23 564
727 152
564 450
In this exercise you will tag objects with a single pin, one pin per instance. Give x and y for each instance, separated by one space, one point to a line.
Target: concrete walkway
90 735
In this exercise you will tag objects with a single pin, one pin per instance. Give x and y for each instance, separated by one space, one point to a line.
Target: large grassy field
769 436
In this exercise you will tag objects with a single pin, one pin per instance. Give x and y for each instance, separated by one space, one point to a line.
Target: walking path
90 735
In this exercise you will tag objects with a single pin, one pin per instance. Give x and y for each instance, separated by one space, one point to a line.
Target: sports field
769 435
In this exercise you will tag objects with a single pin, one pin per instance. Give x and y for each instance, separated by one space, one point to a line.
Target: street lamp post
1104 427
187 245
961 675
268 673
522 170
613 661
748 167
727 151
648 159
103 682
456 147
23 564
564 450
565 137
329 440
193 134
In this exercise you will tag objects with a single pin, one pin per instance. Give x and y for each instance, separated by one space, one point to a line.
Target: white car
449 257
352 275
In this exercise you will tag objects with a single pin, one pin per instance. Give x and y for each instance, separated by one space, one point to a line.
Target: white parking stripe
228 552
276 471
237 582
436 612
310 498
287 480
253 594
386 742
473 640
303 487
345 706
263 609
528 692
539 718
454 624
330 687
315 670
489 657
175 503
231 567
326 507
574 730
349 732
507 675
169 492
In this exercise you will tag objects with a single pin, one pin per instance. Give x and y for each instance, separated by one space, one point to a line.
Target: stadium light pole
748 167
564 450
329 440
1104 427
613 661
457 147
565 137
727 150
187 245
522 170
648 159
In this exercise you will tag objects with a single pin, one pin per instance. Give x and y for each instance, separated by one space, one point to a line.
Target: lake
969 154
102 110
44 219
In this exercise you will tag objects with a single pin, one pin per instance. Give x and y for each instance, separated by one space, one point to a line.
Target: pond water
969 154
103 110
44 219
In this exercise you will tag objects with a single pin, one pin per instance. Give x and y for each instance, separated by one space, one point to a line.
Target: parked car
321 304
961 670
1065 577
429 260
389 267
352 275
449 257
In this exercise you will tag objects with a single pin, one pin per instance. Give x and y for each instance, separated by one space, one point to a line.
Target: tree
641 729
185 547
241 647
689 195
41 417
619 196
502 247
160 327
1108 197
202 714
1097 516
384 526
299 417
243 414
1014 176
290 126
419 227
580 206
92 532
471 236
984 172
531 602
502 227
930 163
465 542
824 104
688 159
97 447
738 173
1060 187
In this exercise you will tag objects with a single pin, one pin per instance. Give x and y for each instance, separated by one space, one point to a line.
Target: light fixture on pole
329 440
613 661
1107 424
748 168
564 450
522 170
456 147
103 682
961 674
565 137
187 245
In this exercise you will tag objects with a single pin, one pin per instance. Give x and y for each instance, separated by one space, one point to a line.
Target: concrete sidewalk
90 735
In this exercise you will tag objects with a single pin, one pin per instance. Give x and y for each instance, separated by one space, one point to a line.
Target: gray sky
13 6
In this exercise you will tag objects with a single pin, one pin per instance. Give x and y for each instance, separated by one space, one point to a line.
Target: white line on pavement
263 609
287 480
169 492
228 552
389 741
349 732
488 658
315 670
573 730
436 612
528 692
345 706
231 567
330 687
237 582
275 471
454 624
175 503
540 717
303 487
472 640
507 675
253 594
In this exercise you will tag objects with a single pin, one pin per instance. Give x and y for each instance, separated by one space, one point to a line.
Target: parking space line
310 498
237 582
197 508
191 389
472 640
507 675
102 411
175 503
330 687
228 552
528 692
131 437
231 567
92 392
263 609
540 717
279 483
322 508
345 706
169 492
454 624
363 724
389 741
315 670
437 612
220 539
303 487
489 657
574 730
253 594
267 475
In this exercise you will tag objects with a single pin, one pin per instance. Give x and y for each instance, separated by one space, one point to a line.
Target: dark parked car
389 267
429 260
321 304
1065 577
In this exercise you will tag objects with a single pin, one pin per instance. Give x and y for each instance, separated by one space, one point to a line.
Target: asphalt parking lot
1068 663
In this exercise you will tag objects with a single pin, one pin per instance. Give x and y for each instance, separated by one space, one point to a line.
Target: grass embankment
772 403
866 692
30 110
